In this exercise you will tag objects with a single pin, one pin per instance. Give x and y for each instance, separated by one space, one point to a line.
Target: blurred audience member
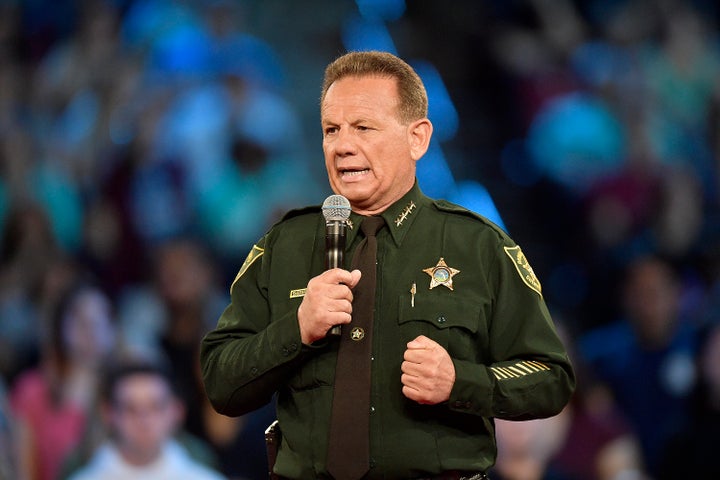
599 442
166 320
28 249
143 414
692 452
8 445
52 402
588 440
646 357
524 448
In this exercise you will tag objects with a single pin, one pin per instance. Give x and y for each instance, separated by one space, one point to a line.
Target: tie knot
371 225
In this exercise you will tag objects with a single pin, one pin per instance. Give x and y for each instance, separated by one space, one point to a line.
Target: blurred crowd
146 144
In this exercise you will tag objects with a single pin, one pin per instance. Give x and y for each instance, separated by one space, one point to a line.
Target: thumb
355 278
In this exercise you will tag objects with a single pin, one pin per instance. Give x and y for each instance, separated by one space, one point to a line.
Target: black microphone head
336 208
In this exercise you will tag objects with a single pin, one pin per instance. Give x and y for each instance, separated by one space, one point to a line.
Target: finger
339 292
339 306
340 318
414 355
409 392
415 395
421 342
420 355
413 379
414 369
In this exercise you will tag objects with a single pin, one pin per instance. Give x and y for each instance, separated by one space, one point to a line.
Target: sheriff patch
523 268
255 253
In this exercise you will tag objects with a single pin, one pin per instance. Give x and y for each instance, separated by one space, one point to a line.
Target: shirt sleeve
249 355
528 374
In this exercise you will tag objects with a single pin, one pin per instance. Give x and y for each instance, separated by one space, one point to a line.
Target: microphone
336 210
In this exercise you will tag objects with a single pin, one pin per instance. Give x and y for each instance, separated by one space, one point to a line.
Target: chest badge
441 274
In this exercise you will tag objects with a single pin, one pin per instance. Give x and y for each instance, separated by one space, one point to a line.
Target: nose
344 143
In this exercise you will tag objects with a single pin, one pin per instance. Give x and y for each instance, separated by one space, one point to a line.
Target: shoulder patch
523 268
255 253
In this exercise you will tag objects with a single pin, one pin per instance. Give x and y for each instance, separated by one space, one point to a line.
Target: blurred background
145 145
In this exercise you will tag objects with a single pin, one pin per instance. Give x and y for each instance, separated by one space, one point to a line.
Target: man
646 357
461 333
143 415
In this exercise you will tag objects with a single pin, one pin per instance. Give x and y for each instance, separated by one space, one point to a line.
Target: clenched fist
327 302
428 372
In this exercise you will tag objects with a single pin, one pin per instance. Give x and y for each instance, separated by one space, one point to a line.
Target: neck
139 457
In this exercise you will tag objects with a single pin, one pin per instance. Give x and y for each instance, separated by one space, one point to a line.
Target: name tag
300 292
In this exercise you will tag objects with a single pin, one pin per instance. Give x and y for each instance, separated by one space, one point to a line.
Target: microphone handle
334 251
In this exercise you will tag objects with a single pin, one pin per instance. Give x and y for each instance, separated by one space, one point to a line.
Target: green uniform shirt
475 294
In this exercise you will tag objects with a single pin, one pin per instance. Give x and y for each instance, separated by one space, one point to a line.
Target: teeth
355 172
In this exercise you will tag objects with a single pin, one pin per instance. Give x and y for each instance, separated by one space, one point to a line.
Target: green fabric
509 361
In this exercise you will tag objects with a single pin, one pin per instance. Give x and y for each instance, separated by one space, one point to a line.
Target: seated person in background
52 401
142 413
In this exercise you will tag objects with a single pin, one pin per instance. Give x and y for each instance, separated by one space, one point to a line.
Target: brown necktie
348 449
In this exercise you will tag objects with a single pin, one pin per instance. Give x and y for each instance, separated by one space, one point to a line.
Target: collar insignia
405 213
441 274
350 224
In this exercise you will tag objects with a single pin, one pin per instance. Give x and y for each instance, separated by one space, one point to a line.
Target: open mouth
353 172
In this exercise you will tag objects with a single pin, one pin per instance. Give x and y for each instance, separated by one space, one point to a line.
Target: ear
419 133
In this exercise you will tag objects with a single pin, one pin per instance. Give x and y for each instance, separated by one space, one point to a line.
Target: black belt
457 475
449 475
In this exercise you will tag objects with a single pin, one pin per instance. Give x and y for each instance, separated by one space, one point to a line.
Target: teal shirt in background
475 294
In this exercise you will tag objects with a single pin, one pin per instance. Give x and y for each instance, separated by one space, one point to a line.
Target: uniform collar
399 216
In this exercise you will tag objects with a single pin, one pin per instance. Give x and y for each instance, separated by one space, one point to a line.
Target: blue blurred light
473 196
441 110
359 34
516 164
600 63
433 173
250 58
576 139
567 285
388 10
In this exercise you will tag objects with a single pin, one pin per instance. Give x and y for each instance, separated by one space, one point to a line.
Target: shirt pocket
454 323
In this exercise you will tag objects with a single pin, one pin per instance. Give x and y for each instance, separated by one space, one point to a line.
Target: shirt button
254 371
373 463
372 409
441 319
285 352
293 347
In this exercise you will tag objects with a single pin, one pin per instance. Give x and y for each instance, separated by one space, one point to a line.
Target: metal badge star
441 274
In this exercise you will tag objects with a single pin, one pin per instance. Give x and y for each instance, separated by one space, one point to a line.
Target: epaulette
450 207
296 212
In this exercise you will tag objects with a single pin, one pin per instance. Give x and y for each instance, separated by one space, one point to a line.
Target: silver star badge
441 274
